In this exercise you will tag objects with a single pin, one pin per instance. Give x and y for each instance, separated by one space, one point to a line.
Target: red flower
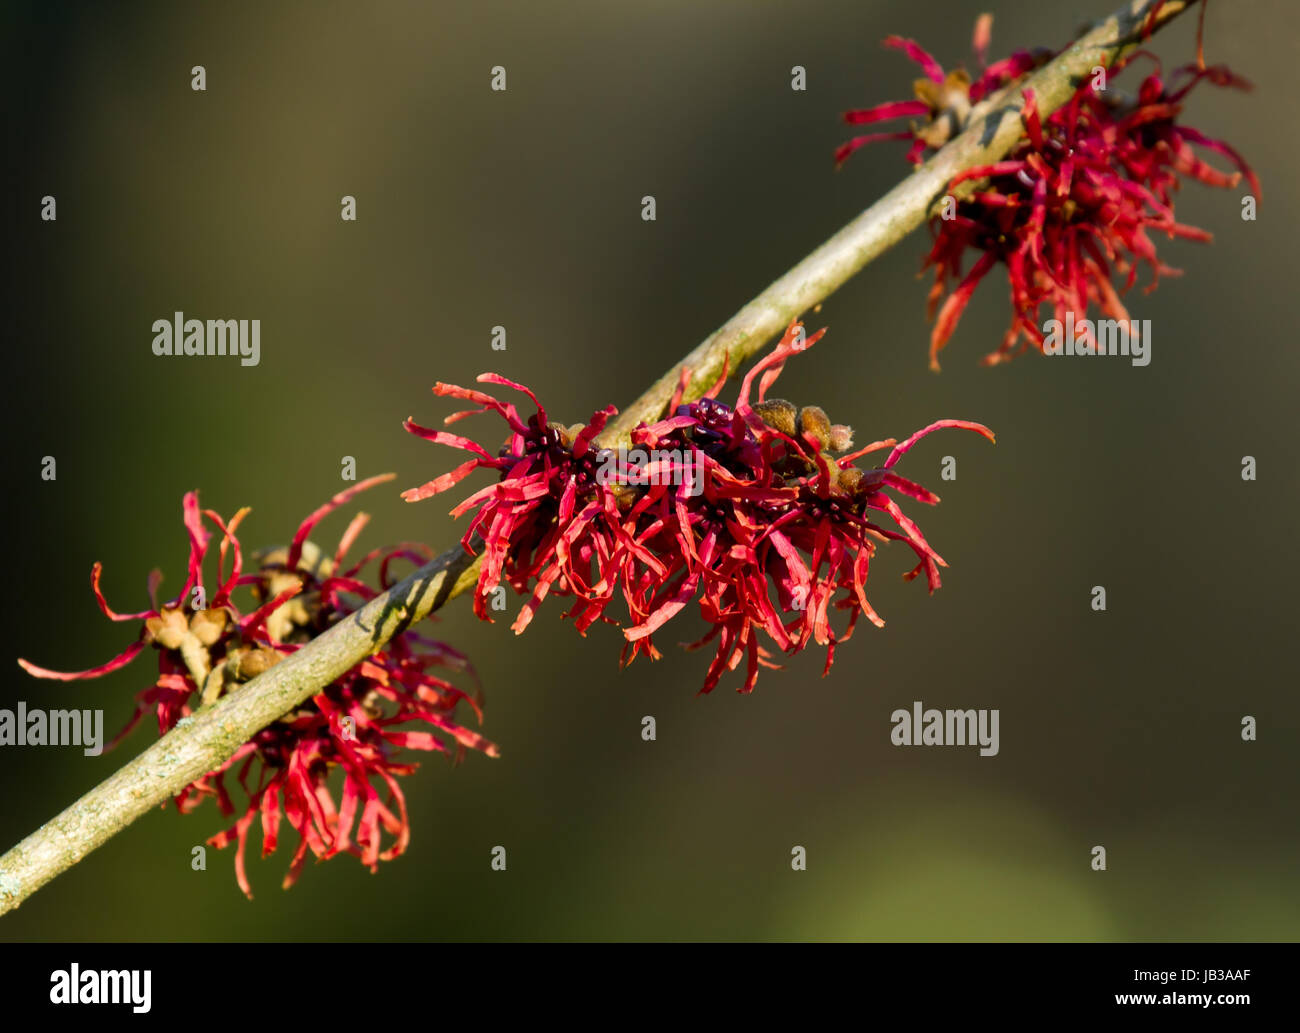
944 99
354 724
1073 205
776 508
722 503
546 518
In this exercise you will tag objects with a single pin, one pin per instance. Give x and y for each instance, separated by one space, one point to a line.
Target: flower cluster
734 501
943 99
358 724
1074 205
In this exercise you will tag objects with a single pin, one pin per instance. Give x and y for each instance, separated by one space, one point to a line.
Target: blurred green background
522 208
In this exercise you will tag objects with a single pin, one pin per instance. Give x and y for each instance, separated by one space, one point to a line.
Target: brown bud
815 424
778 414
168 629
208 625
849 479
251 663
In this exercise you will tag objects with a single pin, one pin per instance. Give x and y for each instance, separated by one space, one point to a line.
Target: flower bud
849 479
841 439
778 414
167 628
208 625
248 664
815 425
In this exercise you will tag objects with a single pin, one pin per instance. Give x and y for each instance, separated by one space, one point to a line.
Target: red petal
95 572
901 450
931 67
305 528
442 482
121 660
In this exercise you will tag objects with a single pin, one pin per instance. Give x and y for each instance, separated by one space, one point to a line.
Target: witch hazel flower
547 517
779 509
735 502
359 724
942 99
1073 208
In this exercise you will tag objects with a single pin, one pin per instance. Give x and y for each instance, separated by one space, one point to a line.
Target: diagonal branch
992 131
216 731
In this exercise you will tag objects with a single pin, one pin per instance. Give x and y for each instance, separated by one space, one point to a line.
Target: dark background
523 209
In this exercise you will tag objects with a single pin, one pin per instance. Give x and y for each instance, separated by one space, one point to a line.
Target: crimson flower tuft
943 99
208 647
547 515
726 505
1074 205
